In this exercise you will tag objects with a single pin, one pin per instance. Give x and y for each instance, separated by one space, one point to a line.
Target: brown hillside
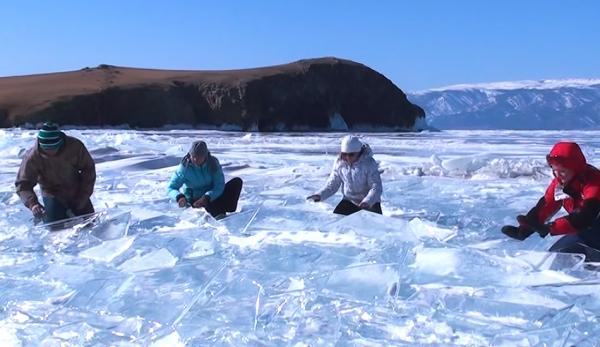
301 95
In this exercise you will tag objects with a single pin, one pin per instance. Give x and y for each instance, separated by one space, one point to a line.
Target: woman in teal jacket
203 183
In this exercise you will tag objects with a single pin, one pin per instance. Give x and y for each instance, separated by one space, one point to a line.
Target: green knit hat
50 137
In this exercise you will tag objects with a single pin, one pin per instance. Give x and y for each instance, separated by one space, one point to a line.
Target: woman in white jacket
358 174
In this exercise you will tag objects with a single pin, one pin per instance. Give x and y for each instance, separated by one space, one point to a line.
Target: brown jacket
69 175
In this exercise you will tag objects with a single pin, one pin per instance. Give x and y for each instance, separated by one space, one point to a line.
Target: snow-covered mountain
546 104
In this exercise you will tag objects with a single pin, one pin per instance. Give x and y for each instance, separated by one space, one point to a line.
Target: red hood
570 155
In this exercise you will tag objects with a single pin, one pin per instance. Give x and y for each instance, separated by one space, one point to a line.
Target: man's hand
181 201
544 229
79 204
202 202
314 197
532 223
364 205
38 210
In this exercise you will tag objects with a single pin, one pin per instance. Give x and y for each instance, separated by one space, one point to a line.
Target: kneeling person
357 173
576 188
201 176
65 171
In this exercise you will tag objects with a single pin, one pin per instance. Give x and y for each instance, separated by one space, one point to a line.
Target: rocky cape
326 94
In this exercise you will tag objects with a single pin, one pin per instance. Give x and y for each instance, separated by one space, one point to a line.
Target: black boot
516 232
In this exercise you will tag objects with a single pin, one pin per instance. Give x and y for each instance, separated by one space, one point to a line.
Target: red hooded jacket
581 198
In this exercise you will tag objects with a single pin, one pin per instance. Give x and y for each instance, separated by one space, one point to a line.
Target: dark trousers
346 207
57 210
228 201
586 242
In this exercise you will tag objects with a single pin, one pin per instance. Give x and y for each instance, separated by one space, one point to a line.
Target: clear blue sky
417 44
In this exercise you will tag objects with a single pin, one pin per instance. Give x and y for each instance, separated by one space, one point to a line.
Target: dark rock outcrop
316 94
3 116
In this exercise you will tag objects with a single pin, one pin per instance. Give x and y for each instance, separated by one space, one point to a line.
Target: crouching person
65 171
203 182
576 188
357 173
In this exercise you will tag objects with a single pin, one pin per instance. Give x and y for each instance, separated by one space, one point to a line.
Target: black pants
586 242
346 207
228 201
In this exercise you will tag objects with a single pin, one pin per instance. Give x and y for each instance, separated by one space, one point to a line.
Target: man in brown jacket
65 171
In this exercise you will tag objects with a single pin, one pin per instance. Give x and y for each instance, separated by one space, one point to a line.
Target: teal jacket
206 179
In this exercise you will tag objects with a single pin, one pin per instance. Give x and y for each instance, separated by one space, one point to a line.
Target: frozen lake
284 271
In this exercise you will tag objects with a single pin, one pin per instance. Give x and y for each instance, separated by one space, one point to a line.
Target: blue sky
417 44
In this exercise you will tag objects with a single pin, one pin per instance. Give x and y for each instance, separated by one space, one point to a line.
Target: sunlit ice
433 269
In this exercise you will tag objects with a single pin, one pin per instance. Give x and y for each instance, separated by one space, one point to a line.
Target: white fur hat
351 144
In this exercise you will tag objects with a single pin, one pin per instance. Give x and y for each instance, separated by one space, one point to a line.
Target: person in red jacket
576 188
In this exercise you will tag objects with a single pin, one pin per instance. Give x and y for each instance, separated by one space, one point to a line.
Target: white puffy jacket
360 181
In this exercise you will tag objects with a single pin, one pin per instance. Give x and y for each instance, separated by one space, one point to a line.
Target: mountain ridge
565 104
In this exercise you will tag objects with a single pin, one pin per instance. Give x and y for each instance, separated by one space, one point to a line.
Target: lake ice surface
433 270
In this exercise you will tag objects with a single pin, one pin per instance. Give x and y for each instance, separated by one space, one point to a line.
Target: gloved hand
79 203
314 197
544 232
181 200
518 233
532 223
